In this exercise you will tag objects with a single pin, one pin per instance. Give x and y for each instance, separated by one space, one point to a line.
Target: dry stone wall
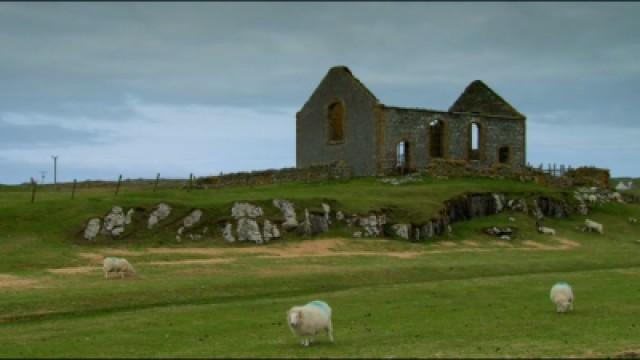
322 172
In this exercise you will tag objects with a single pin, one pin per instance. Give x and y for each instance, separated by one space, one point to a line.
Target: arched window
336 114
474 141
504 155
436 137
402 156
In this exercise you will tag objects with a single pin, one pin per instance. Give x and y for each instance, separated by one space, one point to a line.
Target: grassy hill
463 295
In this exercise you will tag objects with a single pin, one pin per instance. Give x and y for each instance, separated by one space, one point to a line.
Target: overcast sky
140 88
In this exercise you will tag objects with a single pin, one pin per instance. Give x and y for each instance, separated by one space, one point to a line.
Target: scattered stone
248 230
270 231
327 210
205 230
499 232
372 227
92 229
357 234
582 208
339 215
401 230
633 220
161 212
192 218
227 233
129 217
319 224
114 222
289 213
512 219
240 210
499 199
305 227
505 237
180 230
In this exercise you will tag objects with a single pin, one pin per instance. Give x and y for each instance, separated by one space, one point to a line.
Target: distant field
465 295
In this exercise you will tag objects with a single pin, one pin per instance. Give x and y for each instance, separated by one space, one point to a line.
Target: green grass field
463 295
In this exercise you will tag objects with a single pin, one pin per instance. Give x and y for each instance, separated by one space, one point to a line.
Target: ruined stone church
344 121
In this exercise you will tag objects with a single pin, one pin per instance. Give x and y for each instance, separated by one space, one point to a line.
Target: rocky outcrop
372 225
327 211
241 210
92 229
192 218
401 230
129 217
304 228
227 233
248 230
161 212
270 231
114 222
289 213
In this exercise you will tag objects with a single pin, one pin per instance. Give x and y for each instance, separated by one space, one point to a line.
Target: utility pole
55 169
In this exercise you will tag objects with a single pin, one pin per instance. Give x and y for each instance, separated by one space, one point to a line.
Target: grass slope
461 296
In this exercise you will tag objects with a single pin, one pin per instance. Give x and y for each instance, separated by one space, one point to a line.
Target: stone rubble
248 230
92 229
114 222
401 230
161 212
227 233
289 213
241 210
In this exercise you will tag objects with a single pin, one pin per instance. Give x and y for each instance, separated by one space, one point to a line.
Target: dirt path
309 248
17 282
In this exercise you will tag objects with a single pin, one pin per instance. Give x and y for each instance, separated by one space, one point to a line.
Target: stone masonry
378 139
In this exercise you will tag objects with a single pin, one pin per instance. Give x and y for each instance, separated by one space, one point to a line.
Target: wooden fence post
190 181
118 186
33 190
73 189
155 186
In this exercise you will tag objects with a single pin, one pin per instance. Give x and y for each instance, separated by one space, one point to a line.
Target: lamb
308 320
117 265
594 226
545 230
562 295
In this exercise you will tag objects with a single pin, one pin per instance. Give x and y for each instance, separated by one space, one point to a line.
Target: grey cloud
560 63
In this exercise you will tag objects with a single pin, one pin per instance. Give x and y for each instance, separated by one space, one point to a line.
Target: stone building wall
358 149
412 125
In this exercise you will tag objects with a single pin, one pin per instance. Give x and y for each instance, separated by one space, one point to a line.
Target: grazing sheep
545 230
562 295
117 265
308 320
594 226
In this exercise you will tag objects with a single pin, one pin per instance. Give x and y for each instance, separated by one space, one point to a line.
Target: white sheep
117 265
308 320
594 226
562 295
545 230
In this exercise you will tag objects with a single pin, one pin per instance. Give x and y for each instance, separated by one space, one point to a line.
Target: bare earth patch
74 270
192 261
308 248
471 243
12 281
